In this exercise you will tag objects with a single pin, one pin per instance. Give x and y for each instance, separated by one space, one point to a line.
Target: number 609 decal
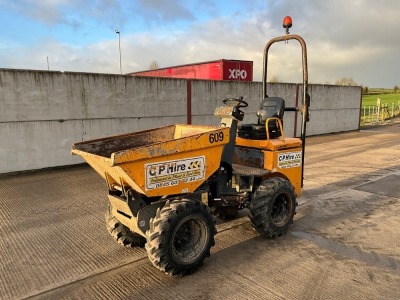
216 137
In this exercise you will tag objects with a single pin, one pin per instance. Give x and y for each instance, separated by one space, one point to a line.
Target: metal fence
375 114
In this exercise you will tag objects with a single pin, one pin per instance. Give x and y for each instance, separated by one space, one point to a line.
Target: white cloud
356 39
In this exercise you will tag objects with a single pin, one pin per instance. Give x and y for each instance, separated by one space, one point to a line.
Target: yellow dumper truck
166 184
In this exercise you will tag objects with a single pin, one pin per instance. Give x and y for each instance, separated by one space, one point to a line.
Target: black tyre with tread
122 234
273 207
180 236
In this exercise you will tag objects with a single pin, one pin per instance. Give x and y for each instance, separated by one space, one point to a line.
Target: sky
345 38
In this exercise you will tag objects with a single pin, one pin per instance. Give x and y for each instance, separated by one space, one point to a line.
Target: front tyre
180 236
121 233
273 207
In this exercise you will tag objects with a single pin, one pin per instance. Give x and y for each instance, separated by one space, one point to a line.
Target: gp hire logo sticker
172 172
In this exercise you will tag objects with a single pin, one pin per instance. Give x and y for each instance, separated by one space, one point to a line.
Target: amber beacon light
287 23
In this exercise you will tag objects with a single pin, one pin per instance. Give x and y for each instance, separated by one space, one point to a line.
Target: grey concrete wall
43 113
332 109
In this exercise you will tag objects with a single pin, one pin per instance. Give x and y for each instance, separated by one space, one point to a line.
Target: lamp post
119 47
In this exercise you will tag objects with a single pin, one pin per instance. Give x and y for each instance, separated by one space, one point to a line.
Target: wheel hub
188 241
280 210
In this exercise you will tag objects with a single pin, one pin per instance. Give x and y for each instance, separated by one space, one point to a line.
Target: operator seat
270 107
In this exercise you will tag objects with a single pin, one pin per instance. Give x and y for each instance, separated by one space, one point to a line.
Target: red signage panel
223 69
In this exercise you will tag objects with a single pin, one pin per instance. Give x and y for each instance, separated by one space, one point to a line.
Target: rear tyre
180 236
121 233
273 207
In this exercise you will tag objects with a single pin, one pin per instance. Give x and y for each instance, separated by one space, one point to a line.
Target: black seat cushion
270 107
258 132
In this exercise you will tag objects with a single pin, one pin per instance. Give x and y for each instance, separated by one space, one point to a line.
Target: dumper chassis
167 184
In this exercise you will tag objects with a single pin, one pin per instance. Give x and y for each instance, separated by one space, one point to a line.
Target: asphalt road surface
344 244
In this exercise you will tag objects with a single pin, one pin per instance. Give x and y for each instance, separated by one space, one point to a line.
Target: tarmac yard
344 244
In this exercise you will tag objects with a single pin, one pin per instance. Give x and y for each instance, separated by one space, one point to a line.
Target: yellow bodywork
164 161
281 156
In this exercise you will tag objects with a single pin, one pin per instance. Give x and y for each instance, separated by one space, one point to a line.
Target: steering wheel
234 102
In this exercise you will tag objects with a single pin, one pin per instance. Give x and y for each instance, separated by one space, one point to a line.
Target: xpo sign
237 74
238 70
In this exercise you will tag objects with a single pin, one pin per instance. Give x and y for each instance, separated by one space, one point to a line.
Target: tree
395 89
154 65
365 90
347 81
